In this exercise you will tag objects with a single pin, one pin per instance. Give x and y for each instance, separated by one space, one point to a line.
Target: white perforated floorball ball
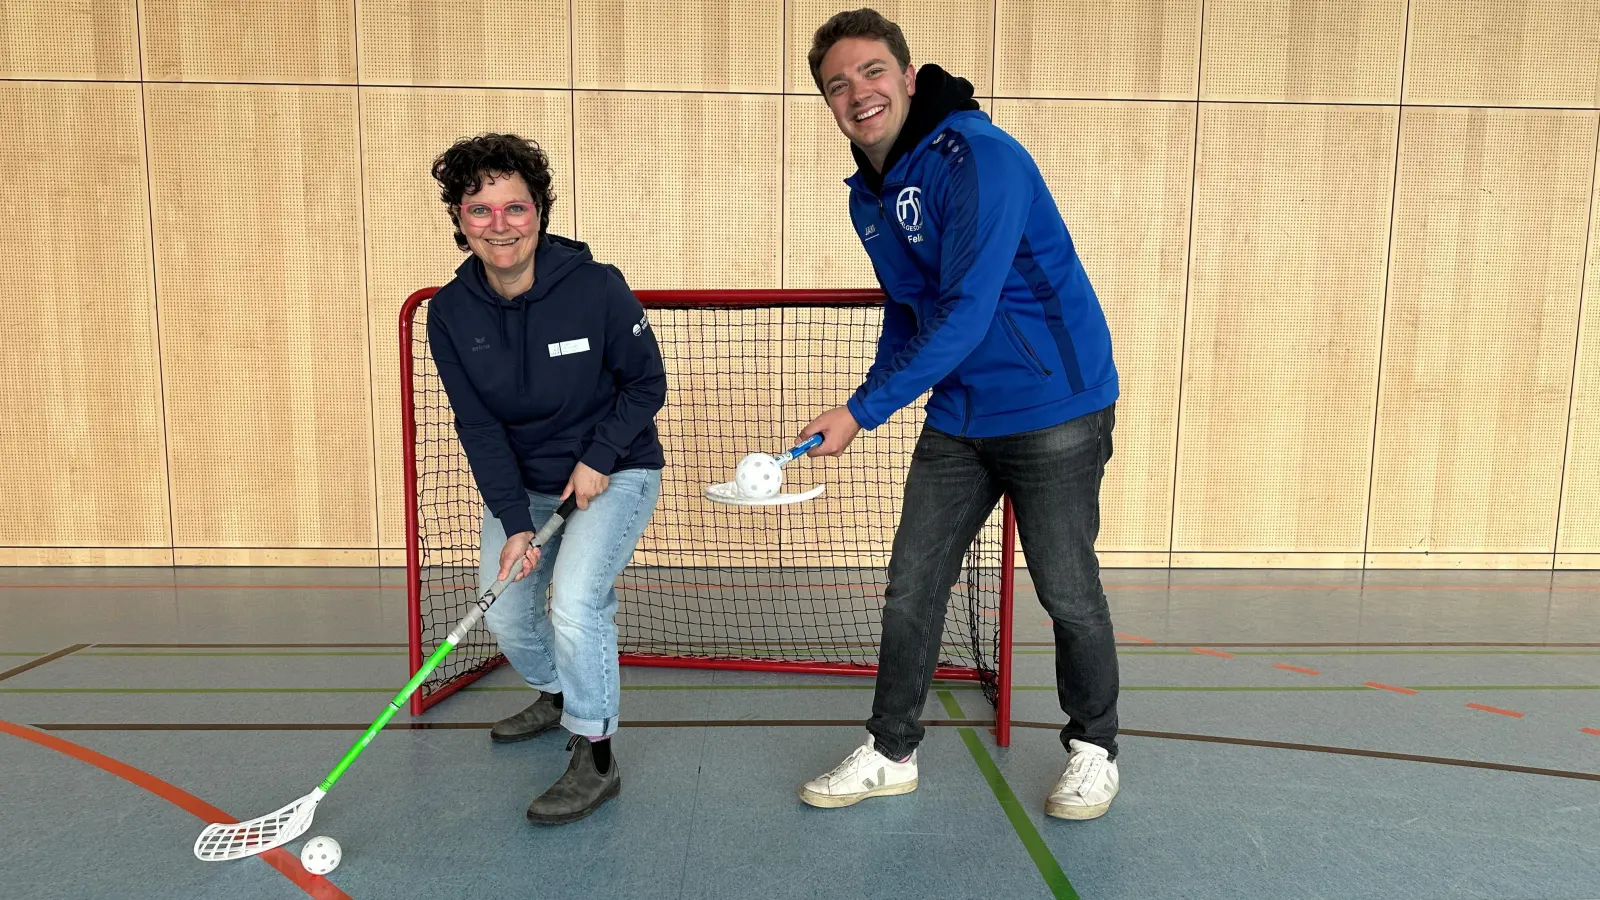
321 855
758 476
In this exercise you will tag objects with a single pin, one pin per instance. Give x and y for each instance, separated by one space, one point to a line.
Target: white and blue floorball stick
759 477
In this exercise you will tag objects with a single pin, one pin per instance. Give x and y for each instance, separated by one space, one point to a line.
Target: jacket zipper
1023 340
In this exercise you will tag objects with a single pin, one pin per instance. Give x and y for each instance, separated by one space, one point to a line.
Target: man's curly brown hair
461 170
861 23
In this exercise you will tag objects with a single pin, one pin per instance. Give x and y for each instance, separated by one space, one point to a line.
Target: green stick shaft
399 700
456 635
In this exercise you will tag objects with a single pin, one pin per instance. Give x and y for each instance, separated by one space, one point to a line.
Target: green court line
1060 887
226 653
1293 652
474 689
28 655
867 686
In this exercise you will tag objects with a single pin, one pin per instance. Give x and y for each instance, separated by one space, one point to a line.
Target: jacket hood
938 95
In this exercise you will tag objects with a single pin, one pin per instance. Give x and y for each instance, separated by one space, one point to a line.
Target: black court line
42 660
1199 643
816 723
471 726
1321 644
287 646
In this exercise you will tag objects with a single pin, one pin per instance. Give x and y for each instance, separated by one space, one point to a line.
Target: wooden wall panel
1491 211
681 190
956 35
820 246
1503 53
1321 51
82 440
409 242
263 316
1079 49
1121 174
479 43
102 38
279 41
690 45
1285 302
1578 532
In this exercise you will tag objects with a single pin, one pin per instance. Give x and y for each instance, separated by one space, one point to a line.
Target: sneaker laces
1081 770
849 762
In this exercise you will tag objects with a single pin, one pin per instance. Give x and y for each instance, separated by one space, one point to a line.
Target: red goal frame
688 299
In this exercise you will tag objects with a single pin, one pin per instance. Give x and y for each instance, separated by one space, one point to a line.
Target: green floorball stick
221 842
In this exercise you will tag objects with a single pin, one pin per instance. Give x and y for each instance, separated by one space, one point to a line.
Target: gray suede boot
579 791
531 722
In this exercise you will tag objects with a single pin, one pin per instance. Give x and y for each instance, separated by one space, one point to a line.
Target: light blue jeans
571 647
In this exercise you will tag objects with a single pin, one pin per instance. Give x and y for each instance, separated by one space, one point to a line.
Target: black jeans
1053 478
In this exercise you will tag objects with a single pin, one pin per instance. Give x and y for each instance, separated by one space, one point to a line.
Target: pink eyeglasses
517 213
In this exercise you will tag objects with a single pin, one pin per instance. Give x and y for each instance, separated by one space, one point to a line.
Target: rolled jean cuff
589 728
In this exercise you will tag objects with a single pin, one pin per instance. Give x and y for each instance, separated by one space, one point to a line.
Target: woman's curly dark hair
460 171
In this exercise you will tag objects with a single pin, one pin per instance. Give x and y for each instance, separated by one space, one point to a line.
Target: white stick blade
728 493
220 843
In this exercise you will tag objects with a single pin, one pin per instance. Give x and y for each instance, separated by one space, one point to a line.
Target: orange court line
1496 710
289 865
1389 687
1211 652
1288 668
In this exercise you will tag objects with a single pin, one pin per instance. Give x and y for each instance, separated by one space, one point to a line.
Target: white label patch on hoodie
563 348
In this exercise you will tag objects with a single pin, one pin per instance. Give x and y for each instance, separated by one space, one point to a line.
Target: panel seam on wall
783 151
1383 312
994 54
733 93
1188 279
1577 351
155 283
572 114
366 291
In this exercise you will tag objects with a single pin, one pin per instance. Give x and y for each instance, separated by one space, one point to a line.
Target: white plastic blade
728 492
220 843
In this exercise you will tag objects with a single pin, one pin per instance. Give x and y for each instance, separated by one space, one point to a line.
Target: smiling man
989 307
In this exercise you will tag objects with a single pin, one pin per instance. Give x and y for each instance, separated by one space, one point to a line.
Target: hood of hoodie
555 258
938 95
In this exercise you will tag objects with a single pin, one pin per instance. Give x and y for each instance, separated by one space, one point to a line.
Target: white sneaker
864 773
1085 790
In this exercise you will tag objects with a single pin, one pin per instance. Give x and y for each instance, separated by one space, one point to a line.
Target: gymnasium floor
1287 735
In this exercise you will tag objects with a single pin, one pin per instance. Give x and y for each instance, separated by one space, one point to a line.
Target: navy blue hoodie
567 372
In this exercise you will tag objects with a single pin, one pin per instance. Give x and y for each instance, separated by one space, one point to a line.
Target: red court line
1288 668
1136 638
1389 687
1211 652
202 587
314 885
1369 588
1496 710
1594 731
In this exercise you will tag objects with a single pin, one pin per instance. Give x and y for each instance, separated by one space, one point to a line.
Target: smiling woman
554 379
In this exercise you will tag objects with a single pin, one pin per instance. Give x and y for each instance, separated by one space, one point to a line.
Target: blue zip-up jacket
988 303
567 372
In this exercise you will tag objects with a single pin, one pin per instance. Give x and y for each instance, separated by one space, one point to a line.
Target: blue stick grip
814 441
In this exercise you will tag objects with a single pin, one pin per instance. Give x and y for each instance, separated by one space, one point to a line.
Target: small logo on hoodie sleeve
640 326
